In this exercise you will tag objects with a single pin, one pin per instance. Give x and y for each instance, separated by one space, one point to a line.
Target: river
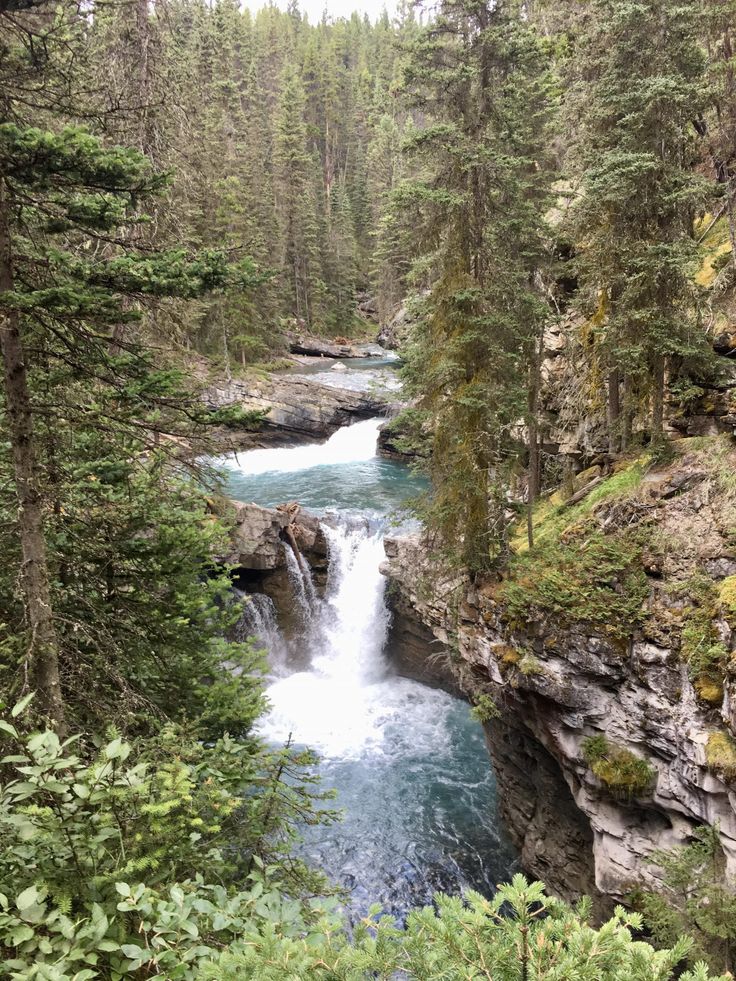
408 762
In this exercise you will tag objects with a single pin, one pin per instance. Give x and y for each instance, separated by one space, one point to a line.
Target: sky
335 8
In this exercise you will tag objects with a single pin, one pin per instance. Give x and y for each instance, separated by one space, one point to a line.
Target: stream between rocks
408 762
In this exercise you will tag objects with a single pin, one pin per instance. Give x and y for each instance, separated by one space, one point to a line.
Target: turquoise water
408 762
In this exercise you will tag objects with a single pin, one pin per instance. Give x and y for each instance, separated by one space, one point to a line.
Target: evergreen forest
533 202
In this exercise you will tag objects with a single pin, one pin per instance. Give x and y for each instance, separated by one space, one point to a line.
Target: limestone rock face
297 406
555 683
302 343
261 535
396 332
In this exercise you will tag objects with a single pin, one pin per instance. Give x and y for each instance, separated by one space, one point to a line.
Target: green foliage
624 774
520 933
478 193
701 646
484 708
697 900
153 855
638 84
584 576
720 755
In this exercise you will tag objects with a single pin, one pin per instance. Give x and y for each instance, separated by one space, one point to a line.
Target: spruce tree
477 74
639 91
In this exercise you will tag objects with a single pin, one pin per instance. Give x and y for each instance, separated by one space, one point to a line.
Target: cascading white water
408 763
302 586
351 444
345 705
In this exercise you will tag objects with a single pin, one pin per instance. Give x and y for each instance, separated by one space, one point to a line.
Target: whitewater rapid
351 444
408 763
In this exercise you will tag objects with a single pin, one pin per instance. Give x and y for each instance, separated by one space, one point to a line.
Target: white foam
351 444
347 705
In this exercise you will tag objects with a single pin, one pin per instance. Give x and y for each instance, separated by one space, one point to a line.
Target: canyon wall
555 652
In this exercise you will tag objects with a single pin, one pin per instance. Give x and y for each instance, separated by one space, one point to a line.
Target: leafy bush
103 861
623 773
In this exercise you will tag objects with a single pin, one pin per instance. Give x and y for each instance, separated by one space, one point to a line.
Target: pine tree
295 202
719 125
641 83
478 75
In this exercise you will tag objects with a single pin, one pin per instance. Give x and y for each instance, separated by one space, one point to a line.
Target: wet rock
261 535
296 407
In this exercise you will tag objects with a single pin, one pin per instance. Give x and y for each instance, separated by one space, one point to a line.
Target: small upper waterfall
351 444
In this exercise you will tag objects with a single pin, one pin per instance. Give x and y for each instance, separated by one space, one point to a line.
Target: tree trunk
613 411
658 400
43 654
627 415
534 475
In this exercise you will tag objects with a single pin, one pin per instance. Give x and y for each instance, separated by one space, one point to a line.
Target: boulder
260 536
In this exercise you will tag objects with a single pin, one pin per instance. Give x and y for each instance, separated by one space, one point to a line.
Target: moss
623 773
715 247
582 577
551 517
727 596
530 665
720 755
700 643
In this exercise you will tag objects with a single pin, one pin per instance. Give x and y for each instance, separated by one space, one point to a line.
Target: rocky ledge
320 347
296 407
270 545
603 661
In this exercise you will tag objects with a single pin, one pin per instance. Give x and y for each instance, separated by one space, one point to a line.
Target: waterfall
300 579
258 622
408 763
351 444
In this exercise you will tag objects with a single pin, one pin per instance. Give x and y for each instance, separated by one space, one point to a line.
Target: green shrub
623 773
484 708
148 858
519 934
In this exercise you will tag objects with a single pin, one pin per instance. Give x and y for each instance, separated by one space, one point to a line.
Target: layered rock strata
552 680
296 407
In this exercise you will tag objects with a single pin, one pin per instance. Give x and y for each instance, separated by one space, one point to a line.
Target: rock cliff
603 661
296 407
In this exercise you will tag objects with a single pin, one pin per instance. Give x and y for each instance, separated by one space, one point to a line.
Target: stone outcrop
321 347
395 333
556 680
269 545
260 536
296 407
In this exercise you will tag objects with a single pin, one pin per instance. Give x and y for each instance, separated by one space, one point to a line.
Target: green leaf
27 898
6 727
19 706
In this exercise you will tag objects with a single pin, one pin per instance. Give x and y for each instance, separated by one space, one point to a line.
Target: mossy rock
727 596
720 755
624 774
